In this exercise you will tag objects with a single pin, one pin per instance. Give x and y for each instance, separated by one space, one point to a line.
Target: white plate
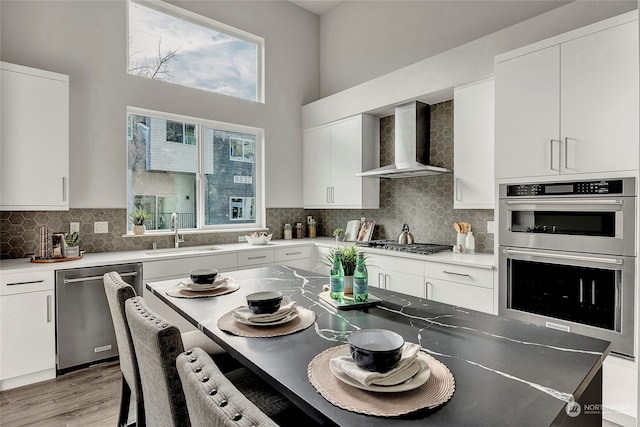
197 287
418 379
286 319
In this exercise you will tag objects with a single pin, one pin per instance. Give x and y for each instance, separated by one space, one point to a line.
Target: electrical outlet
362 219
491 227
242 239
74 227
100 227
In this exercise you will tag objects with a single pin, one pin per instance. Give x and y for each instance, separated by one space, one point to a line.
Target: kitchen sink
183 251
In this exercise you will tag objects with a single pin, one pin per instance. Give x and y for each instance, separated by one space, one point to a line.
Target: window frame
201 124
204 21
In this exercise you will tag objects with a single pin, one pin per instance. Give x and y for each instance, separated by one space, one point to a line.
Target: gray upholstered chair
212 400
157 344
118 291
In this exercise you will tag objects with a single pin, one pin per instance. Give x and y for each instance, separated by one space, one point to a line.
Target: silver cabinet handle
64 188
48 308
332 194
380 280
551 154
456 274
292 253
90 278
581 291
457 190
25 283
593 292
428 286
257 257
617 261
566 153
387 284
568 202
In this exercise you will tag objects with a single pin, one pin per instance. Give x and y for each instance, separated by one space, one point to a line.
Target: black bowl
264 302
204 276
377 350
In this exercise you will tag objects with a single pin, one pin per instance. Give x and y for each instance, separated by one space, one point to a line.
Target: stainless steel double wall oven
567 257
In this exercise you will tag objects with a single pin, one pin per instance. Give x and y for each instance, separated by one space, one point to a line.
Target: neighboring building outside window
196 177
171 44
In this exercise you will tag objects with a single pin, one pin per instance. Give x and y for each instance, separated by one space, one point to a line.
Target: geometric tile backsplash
425 203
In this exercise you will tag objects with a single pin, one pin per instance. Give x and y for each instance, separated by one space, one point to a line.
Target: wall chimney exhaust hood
413 125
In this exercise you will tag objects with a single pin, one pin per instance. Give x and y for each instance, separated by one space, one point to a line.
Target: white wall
362 40
87 41
432 80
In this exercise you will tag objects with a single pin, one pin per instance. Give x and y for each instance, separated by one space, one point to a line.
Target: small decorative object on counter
311 225
139 218
299 230
461 241
288 232
72 240
360 280
338 233
470 243
336 283
58 245
45 244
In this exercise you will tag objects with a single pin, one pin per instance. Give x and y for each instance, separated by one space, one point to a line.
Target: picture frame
366 231
352 230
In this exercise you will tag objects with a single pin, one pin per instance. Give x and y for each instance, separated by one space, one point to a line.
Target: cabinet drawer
297 252
19 283
472 297
260 257
394 263
459 273
182 266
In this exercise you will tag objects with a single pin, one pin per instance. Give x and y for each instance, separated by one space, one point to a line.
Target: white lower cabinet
295 257
462 286
396 274
255 258
27 329
619 390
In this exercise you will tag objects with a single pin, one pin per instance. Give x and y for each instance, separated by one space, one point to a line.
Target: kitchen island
506 372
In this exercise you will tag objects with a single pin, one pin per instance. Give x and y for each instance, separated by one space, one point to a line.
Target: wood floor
88 397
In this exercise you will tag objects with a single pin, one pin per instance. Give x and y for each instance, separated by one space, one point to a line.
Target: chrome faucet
175 226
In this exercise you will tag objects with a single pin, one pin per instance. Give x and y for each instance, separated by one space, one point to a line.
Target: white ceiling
317 6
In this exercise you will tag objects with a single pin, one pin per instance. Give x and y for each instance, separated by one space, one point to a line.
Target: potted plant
349 256
338 233
72 240
139 218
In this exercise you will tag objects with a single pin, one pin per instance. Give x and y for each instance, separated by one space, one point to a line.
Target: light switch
490 227
100 227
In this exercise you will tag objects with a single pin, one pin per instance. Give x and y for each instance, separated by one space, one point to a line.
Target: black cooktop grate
415 248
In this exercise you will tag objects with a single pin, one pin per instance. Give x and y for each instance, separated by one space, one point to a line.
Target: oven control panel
566 188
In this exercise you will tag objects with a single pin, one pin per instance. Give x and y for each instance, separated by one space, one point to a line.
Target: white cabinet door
599 86
458 294
34 139
527 109
332 155
255 258
396 273
317 167
473 122
405 283
27 328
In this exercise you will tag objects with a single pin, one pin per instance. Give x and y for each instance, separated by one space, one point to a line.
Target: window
182 165
172 44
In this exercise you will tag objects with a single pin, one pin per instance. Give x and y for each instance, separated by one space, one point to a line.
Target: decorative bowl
377 350
264 302
204 276
259 238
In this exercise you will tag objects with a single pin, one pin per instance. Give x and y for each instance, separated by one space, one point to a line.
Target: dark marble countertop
507 372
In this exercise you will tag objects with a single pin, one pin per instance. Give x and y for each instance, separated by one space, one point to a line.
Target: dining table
503 372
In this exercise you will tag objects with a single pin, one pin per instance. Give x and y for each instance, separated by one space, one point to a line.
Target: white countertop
120 257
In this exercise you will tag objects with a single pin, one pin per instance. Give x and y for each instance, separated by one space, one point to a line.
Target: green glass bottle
360 280
336 284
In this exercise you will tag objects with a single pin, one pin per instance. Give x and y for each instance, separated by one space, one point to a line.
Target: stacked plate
220 281
287 312
410 374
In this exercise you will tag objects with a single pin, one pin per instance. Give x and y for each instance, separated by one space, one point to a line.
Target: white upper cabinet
473 124
332 155
34 147
569 105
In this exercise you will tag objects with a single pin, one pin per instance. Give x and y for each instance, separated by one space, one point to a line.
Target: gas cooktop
414 248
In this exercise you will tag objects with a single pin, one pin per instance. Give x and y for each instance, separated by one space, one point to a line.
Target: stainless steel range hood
413 121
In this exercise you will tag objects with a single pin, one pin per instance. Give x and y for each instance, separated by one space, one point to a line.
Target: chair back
211 398
118 291
157 343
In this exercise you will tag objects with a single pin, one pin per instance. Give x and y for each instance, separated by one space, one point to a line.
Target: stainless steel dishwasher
84 329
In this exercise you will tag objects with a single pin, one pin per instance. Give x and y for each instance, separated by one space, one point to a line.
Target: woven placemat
180 292
305 319
437 390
